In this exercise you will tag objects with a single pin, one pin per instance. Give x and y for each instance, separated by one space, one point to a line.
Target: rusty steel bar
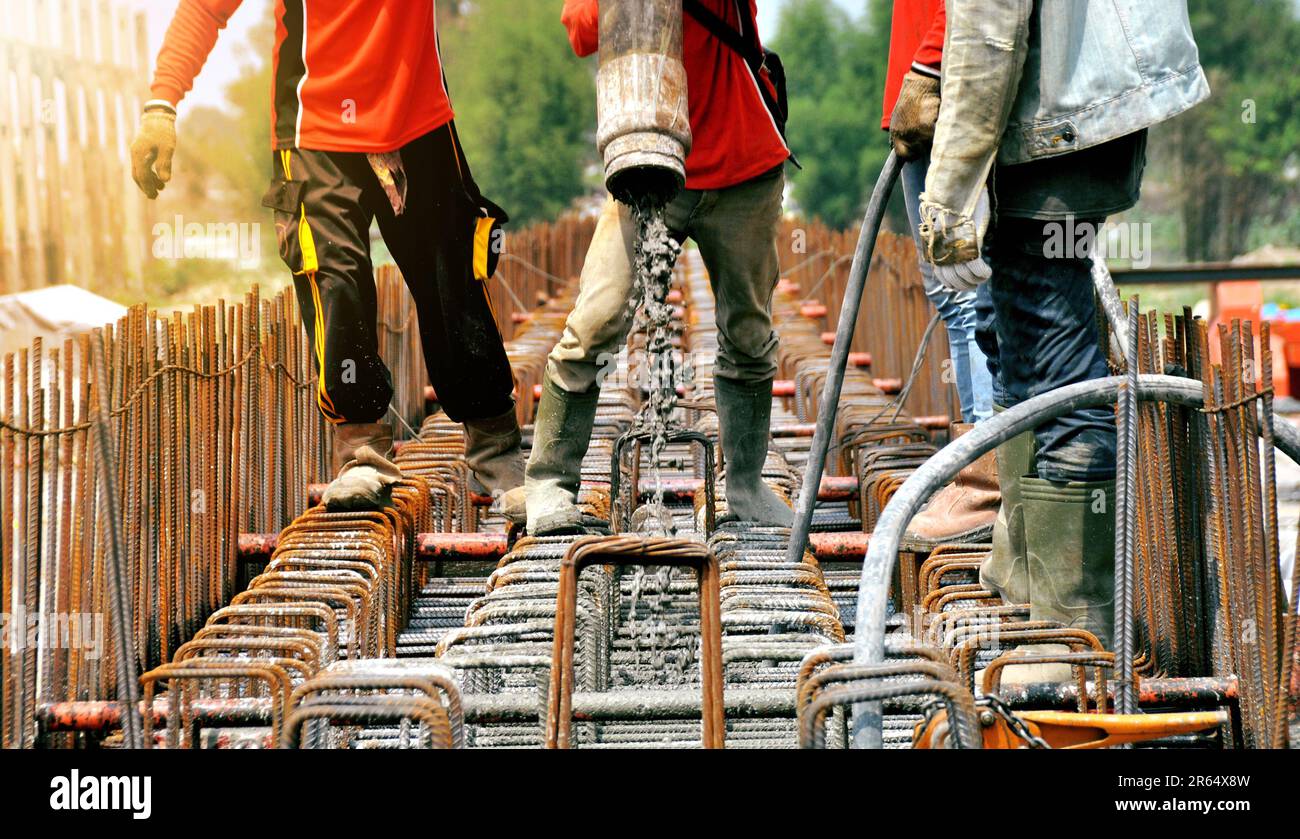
316 491
848 546
627 550
1126 511
1191 692
943 467
463 546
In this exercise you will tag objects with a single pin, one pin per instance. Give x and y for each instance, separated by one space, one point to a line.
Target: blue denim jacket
1099 69
1030 79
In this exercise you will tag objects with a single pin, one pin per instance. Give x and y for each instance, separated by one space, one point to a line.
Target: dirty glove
153 147
953 243
983 60
911 125
365 483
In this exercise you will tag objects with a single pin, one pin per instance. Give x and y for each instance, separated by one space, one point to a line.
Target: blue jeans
1037 323
956 309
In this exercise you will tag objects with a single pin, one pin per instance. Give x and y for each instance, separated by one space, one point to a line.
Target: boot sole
978 535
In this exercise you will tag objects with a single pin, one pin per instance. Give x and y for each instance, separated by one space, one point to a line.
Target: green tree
836 67
1231 160
525 106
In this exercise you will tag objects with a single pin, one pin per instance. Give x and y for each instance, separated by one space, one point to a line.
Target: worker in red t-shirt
731 207
965 510
363 130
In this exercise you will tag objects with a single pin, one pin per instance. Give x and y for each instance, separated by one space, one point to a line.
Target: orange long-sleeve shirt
915 37
348 75
733 135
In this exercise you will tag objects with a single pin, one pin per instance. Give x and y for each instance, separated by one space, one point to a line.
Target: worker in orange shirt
363 130
730 207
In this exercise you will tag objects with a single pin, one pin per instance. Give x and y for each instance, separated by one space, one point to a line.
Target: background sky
224 63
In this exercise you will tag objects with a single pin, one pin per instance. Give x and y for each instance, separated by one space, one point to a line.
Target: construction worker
1043 122
965 510
731 207
363 130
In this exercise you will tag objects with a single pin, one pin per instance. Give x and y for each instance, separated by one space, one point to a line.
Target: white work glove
953 243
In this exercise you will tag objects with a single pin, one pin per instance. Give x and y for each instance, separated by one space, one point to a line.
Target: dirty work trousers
1037 323
324 203
735 229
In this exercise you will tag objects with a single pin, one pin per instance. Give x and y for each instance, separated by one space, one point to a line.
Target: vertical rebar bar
1125 490
120 613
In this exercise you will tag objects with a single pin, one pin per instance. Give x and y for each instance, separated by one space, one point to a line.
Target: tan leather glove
152 150
911 125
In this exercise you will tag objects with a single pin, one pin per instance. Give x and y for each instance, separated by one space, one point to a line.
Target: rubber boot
493 454
1070 535
1006 570
364 474
963 511
561 434
744 420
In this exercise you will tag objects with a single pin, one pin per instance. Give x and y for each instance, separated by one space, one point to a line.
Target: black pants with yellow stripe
324 203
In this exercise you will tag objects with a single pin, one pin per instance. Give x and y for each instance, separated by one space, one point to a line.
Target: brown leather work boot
964 510
351 436
363 474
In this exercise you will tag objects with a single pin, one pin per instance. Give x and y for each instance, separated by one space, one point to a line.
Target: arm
189 40
916 108
582 19
983 58
929 54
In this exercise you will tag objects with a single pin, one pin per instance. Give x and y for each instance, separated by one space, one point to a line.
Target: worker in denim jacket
1043 120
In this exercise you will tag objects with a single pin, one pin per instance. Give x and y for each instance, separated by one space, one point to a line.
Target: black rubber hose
941 468
812 473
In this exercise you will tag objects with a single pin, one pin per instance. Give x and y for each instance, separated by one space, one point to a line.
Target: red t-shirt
348 75
734 137
915 37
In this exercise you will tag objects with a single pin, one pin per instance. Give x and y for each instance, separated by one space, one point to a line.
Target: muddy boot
744 419
493 454
1070 534
963 511
561 434
1006 571
513 505
364 475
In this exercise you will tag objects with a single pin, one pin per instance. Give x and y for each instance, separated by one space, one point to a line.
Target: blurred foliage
1232 160
525 107
835 65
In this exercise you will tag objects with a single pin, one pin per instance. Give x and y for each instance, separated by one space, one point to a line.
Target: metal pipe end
645 165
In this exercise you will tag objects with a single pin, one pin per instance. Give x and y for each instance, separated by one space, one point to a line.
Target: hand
152 150
953 243
965 277
911 125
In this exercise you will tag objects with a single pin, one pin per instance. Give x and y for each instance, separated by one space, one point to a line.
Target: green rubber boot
1070 535
561 434
1006 569
744 420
